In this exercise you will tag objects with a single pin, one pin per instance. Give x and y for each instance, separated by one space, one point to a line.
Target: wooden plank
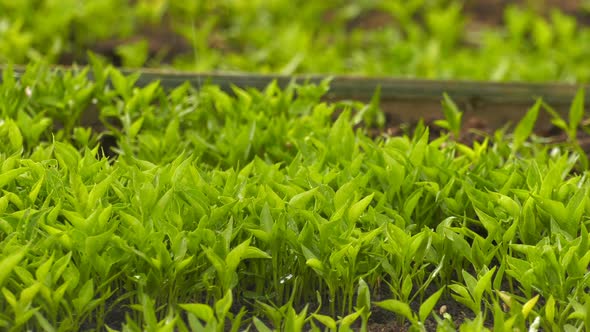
357 87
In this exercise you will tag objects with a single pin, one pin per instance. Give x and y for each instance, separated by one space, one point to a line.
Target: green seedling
452 115
306 223
403 310
571 127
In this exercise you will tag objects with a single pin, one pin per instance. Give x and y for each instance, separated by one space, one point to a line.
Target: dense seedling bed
195 209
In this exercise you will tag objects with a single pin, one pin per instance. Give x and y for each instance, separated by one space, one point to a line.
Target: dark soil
491 11
380 320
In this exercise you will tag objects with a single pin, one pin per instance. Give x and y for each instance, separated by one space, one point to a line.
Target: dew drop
286 278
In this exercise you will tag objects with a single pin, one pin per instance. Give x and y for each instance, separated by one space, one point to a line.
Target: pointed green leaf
8 263
7 177
555 209
483 284
411 202
428 305
490 224
363 300
576 113
550 309
349 319
85 295
260 326
525 127
452 114
300 200
327 321
529 305
398 307
201 311
359 207
344 194
223 305
418 151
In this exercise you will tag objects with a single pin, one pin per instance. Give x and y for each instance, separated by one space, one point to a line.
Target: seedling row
195 209
487 105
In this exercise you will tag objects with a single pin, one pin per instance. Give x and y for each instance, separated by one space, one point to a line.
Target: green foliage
220 211
571 127
452 115
430 39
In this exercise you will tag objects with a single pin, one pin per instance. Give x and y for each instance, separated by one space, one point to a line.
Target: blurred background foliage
437 39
